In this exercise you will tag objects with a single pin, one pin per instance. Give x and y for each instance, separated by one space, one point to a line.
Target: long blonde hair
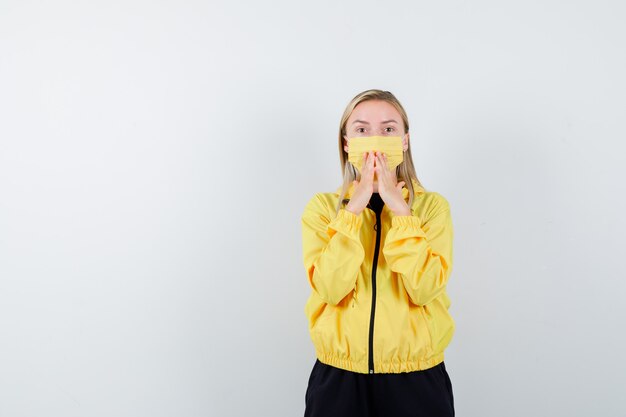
404 172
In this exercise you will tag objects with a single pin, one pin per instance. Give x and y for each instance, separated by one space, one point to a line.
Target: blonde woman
378 256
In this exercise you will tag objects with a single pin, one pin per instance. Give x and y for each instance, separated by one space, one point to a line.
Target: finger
379 169
368 165
383 161
363 160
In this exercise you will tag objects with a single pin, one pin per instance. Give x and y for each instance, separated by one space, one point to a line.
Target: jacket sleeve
332 250
421 254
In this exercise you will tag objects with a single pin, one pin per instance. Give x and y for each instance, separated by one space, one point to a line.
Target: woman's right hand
363 189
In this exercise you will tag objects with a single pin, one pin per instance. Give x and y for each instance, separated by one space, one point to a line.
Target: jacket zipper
375 263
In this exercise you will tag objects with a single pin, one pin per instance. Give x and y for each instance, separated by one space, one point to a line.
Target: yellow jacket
398 322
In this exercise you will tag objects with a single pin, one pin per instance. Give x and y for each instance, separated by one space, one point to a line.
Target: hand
364 188
388 187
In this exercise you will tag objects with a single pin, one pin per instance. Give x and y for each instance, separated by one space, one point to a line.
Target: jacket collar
405 191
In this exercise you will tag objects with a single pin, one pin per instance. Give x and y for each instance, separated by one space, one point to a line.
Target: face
374 118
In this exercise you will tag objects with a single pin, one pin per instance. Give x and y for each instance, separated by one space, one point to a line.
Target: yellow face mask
389 145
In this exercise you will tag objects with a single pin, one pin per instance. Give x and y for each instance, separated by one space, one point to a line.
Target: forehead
375 111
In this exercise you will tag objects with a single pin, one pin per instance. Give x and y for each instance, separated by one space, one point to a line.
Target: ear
345 143
405 142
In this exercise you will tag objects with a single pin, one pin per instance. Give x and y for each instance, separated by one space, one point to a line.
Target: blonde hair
404 172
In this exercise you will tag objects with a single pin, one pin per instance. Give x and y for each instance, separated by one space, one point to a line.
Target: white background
155 158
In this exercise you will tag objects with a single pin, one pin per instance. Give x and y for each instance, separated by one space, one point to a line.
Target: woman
378 255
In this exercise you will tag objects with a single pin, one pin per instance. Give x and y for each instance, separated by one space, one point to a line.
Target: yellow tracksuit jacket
398 322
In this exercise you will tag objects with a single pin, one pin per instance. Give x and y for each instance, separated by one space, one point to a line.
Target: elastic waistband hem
380 367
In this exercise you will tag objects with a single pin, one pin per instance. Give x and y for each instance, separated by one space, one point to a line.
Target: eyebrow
383 122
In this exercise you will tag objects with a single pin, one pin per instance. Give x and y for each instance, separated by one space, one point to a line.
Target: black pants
336 392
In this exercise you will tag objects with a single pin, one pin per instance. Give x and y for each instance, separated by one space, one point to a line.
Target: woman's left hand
388 187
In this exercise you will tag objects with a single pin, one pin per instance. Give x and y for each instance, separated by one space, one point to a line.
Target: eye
360 129
389 129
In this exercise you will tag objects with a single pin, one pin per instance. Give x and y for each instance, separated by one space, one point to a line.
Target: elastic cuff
350 221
